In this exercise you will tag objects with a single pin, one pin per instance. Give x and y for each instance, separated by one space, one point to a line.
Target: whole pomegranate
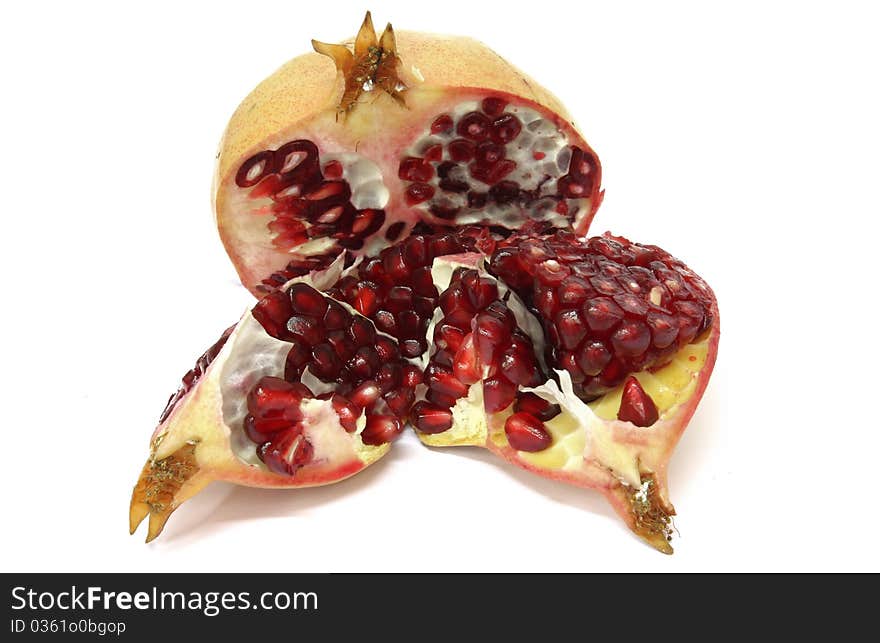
413 226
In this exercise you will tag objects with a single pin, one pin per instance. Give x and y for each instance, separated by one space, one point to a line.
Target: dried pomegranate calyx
374 64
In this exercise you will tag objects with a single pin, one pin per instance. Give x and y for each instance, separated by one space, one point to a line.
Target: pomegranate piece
303 175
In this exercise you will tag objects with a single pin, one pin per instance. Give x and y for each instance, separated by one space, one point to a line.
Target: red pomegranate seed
571 328
443 401
593 357
286 453
602 314
297 357
273 311
664 328
361 332
415 169
519 365
271 396
493 106
341 343
498 393
365 395
474 126
381 429
386 322
348 413
442 124
525 432
412 376
387 349
631 338
433 153
325 364
365 299
400 401
461 150
492 174
413 347
305 328
333 170
490 335
636 405
505 128
441 379
430 419
418 193
488 153
536 406
306 300
464 364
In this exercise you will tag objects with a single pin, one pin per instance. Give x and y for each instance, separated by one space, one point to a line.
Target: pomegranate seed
423 283
305 328
272 395
381 429
386 322
519 365
441 379
593 357
525 432
348 413
443 401
461 150
306 300
361 332
536 406
297 358
412 376
413 347
492 174
448 336
415 169
433 153
388 376
481 291
431 419
254 169
365 299
400 401
414 251
341 343
387 349
464 364
365 395
325 364
394 231
602 314
488 153
443 357
399 298
664 328
442 124
364 363
571 328
498 393
474 126
286 453
636 405
273 311
505 128
493 106
631 338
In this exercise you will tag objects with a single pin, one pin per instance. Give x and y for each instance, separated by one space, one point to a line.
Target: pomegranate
302 391
580 360
414 227
413 128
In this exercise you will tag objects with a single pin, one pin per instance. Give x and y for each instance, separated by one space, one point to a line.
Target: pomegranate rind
201 440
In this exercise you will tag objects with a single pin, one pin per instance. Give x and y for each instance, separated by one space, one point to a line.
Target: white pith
538 134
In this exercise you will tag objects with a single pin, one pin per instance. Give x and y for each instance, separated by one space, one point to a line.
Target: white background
742 137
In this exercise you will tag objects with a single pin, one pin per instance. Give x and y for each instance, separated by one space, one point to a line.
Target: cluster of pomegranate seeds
498 161
343 349
296 267
396 291
308 201
274 423
477 339
195 373
609 307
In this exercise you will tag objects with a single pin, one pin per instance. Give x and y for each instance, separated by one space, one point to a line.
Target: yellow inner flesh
669 387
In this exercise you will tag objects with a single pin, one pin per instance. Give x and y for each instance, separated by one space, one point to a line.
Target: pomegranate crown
372 65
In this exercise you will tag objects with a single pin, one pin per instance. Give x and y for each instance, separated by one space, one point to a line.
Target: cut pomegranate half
303 391
310 167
